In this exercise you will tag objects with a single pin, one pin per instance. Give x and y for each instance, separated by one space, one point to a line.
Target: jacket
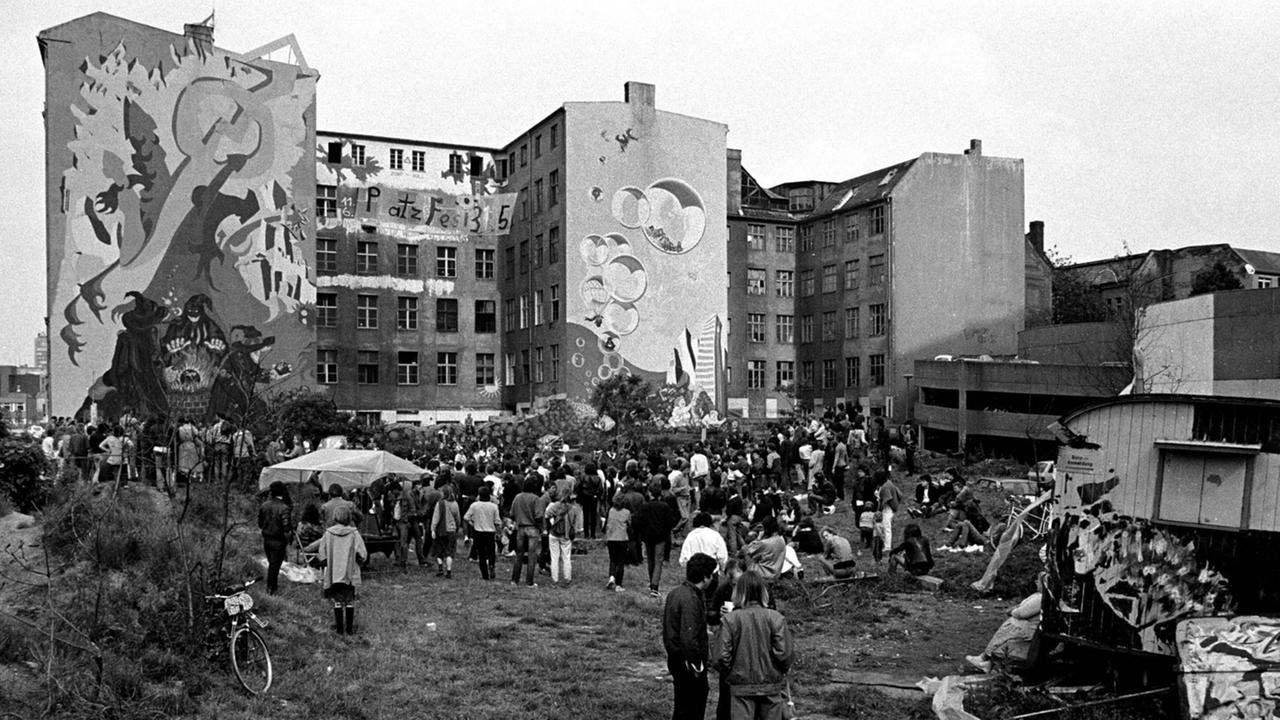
654 521
684 625
342 550
447 518
273 519
755 650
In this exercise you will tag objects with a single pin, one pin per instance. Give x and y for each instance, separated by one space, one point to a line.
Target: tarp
348 468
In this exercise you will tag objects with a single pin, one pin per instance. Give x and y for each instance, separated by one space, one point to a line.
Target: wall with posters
180 186
646 250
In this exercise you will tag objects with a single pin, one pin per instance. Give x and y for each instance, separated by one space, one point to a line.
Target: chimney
638 93
1035 235
975 147
201 35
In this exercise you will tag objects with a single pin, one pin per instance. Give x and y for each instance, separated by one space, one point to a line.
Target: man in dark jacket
684 636
653 524
274 521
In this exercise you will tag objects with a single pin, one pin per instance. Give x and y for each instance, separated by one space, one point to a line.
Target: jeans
528 542
617 560
887 523
276 549
759 707
406 532
486 555
561 559
655 560
589 519
689 691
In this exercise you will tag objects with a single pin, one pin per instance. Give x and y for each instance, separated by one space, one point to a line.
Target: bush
22 473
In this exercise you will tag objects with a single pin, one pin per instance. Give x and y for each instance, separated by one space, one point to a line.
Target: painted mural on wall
182 283
649 271
1231 667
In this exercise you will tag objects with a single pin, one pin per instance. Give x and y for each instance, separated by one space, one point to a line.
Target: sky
1142 124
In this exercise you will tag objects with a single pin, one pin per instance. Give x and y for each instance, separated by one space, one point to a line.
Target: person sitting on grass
966 526
927 491
342 551
806 538
822 498
917 558
837 555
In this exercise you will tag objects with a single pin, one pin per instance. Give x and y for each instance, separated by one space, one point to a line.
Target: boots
351 619
337 621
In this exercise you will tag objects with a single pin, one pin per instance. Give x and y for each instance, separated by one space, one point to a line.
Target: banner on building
428 214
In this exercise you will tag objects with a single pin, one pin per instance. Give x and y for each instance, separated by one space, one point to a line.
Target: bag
559 525
788 703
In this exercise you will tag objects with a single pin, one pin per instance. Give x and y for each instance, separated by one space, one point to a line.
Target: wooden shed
1167 507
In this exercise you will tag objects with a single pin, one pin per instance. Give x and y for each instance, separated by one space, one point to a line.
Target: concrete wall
646 264
180 183
957 264
1076 343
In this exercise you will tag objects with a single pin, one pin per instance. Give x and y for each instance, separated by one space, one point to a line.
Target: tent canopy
348 468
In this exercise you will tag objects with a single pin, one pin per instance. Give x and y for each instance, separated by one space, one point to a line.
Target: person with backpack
445 523
564 524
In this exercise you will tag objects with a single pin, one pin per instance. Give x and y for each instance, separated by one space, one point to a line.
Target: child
917 557
866 524
877 537
342 551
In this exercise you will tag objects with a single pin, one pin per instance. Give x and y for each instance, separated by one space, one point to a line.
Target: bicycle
250 658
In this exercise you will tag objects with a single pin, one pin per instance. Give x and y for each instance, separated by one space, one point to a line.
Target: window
786 328
446 368
484 264
407 260
326 201
357 154
755 237
366 257
537 146
851 273
829 278
406 313
397 159
486 369
555 363
504 169
785 239
852 323
877 220
406 367
1263 281
327 367
335 152
537 307
875 370
755 281
509 368
446 262
806 328
524 155
806 373
524 366
486 316
510 270
852 372
829 325
553 188
367 367
539 365
755 374
537 196
537 250
509 315
418 161
524 256
477 165
524 311
879 319
555 305
455 163
828 373
554 135
786 372
785 283
806 238
806 283
875 269
367 312
326 255
446 315
829 233
851 230
755 327
553 245
326 309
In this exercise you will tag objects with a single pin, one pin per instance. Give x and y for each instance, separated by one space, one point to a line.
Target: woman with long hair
755 653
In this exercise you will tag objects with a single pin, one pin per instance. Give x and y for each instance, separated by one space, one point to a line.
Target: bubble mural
181 191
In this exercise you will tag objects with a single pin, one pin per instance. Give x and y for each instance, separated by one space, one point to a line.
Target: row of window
785 325
407 313
830 230
407 259
551 196
784 284
553 139
533 366
785 373
784 238
408 367
534 255
516 311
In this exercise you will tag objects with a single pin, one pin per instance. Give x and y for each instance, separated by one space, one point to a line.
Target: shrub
22 473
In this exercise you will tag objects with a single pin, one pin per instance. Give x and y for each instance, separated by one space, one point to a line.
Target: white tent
348 468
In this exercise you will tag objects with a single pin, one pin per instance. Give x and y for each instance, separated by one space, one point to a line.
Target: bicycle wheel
251 660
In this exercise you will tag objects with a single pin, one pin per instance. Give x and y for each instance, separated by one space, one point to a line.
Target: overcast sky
1142 124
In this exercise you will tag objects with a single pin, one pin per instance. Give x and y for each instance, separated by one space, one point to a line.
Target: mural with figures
179 281
647 283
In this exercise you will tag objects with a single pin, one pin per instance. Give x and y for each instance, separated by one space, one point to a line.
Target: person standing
684 637
116 446
889 497
484 519
445 522
406 515
616 528
682 491
274 521
527 513
839 465
342 551
244 455
755 653
564 523
653 524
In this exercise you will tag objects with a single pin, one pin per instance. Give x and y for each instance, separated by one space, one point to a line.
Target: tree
625 398
1214 278
307 413
1075 299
